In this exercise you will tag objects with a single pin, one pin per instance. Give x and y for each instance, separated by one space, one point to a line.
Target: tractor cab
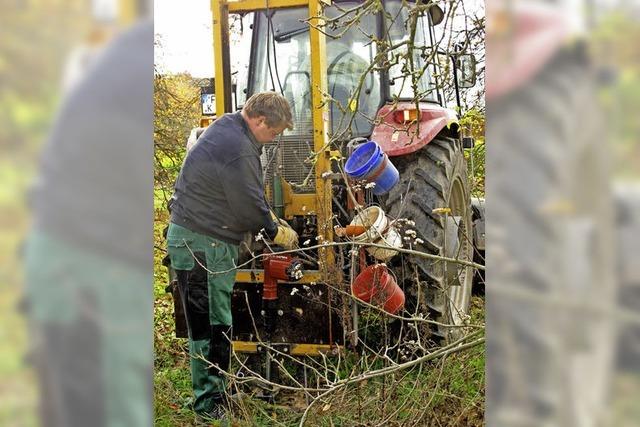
359 82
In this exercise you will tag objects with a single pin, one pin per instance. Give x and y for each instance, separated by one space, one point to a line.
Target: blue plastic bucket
368 162
364 159
385 176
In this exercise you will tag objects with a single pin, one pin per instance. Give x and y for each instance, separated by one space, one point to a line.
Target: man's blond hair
274 107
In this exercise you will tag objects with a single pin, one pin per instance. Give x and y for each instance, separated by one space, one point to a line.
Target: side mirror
466 70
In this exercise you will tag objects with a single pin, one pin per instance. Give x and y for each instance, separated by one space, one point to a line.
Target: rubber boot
219 407
220 349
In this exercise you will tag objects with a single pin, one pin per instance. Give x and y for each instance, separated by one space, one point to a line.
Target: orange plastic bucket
377 286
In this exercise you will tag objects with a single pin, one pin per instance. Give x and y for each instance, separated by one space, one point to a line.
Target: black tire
434 177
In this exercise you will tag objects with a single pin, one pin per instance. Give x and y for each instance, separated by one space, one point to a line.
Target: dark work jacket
95 183
220 192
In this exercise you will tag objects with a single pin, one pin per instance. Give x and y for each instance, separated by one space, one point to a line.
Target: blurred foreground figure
89 257
550 285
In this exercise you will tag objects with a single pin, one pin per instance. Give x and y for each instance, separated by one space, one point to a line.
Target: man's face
263 132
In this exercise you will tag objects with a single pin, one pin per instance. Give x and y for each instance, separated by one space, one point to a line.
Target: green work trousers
205 268
90 322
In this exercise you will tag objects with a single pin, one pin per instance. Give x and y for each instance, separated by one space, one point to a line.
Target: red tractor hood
398 138
520 41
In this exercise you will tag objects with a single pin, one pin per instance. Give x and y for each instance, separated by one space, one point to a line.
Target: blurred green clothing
90 325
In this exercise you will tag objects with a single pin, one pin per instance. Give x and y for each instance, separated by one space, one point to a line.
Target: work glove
278 221
286 236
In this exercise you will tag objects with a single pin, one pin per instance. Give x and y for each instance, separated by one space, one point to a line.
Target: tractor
343 93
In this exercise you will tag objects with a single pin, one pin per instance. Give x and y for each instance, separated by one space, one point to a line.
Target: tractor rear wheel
432 199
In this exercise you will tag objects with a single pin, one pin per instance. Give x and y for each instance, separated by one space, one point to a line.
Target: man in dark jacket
219 196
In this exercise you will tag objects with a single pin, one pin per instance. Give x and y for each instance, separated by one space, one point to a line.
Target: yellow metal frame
319 203
321 146
257 276
206 121
294 349
236 6
297 204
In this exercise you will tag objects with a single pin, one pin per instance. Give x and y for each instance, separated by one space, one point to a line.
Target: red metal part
399 139
269 287
276 267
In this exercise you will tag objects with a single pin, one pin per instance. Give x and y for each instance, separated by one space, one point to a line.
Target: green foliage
176 103
177 109
615 54
37 38
473 124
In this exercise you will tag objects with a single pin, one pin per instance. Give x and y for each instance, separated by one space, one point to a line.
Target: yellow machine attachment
315 205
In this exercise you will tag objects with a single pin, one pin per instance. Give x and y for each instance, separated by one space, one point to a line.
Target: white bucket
374 220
